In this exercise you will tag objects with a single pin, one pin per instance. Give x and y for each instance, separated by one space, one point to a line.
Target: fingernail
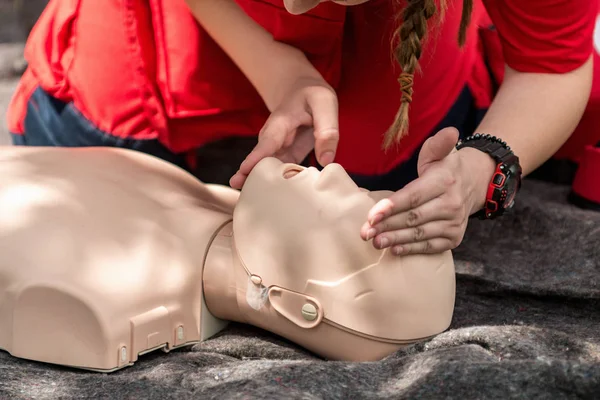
384 242
397 250
371 233
326 158
376 219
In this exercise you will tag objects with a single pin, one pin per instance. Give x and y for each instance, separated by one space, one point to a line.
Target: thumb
324 109
436 148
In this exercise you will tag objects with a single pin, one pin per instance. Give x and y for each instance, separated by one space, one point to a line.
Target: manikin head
299 229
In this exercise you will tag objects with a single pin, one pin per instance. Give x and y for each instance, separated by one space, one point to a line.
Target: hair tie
406 86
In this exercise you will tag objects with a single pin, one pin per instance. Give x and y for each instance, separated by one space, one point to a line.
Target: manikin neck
222 269
232 294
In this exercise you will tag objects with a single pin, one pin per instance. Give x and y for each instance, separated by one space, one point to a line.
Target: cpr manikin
108 254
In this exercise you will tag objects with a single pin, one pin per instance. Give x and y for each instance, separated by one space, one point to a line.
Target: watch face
511 190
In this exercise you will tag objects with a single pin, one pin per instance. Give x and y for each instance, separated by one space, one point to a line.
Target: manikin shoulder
98 246
102 211
126 174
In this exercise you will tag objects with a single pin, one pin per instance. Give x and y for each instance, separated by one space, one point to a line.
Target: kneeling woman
175 79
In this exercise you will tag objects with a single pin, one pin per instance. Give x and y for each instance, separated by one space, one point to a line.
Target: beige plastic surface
296 231
102 254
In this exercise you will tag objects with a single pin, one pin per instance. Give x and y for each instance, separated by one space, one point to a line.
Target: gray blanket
526 325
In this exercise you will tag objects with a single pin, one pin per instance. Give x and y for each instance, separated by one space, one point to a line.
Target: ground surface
526 325
6 89
10 61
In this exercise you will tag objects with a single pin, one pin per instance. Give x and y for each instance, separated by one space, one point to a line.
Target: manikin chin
108 254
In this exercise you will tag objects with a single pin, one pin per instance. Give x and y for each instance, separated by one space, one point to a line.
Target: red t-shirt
145 69
587 131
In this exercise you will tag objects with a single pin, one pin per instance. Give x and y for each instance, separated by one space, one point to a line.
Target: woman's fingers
277 134
413 195
323 106
436 209
419 234
431 246
270 140
308 121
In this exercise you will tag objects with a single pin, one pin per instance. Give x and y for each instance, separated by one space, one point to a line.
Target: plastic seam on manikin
63 289
71 293
323 311
361 271
210 243
238 258
378 338
347 277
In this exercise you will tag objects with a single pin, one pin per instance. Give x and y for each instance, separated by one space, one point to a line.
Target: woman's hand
430 214
307 119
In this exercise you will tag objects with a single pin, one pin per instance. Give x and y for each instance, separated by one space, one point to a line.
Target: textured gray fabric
17 17
526 325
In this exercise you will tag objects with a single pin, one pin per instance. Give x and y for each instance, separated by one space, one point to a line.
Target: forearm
272 67
534 114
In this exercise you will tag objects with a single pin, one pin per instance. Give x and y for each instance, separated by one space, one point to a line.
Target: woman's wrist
298 74
477 169
271 66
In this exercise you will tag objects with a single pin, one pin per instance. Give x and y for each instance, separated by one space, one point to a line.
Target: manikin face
299 229
302 6
303 218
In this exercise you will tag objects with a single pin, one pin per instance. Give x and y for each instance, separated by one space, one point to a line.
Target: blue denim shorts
51 122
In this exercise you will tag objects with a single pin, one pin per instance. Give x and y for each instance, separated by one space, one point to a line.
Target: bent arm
547 48
271 66
535 113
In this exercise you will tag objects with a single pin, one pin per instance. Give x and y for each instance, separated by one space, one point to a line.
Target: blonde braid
410 36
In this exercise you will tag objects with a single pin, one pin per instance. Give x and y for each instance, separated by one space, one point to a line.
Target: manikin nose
292 170
333 176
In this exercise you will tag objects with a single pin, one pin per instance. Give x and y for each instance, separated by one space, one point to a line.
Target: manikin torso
108 254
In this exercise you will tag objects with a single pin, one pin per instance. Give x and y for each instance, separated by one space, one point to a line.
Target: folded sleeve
547 36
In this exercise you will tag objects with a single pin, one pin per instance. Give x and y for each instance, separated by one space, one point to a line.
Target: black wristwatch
506 181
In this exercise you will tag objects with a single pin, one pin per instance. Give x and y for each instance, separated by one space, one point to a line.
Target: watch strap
506 163
495 147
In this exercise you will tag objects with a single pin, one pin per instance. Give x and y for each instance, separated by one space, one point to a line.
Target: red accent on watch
508 172
496 182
